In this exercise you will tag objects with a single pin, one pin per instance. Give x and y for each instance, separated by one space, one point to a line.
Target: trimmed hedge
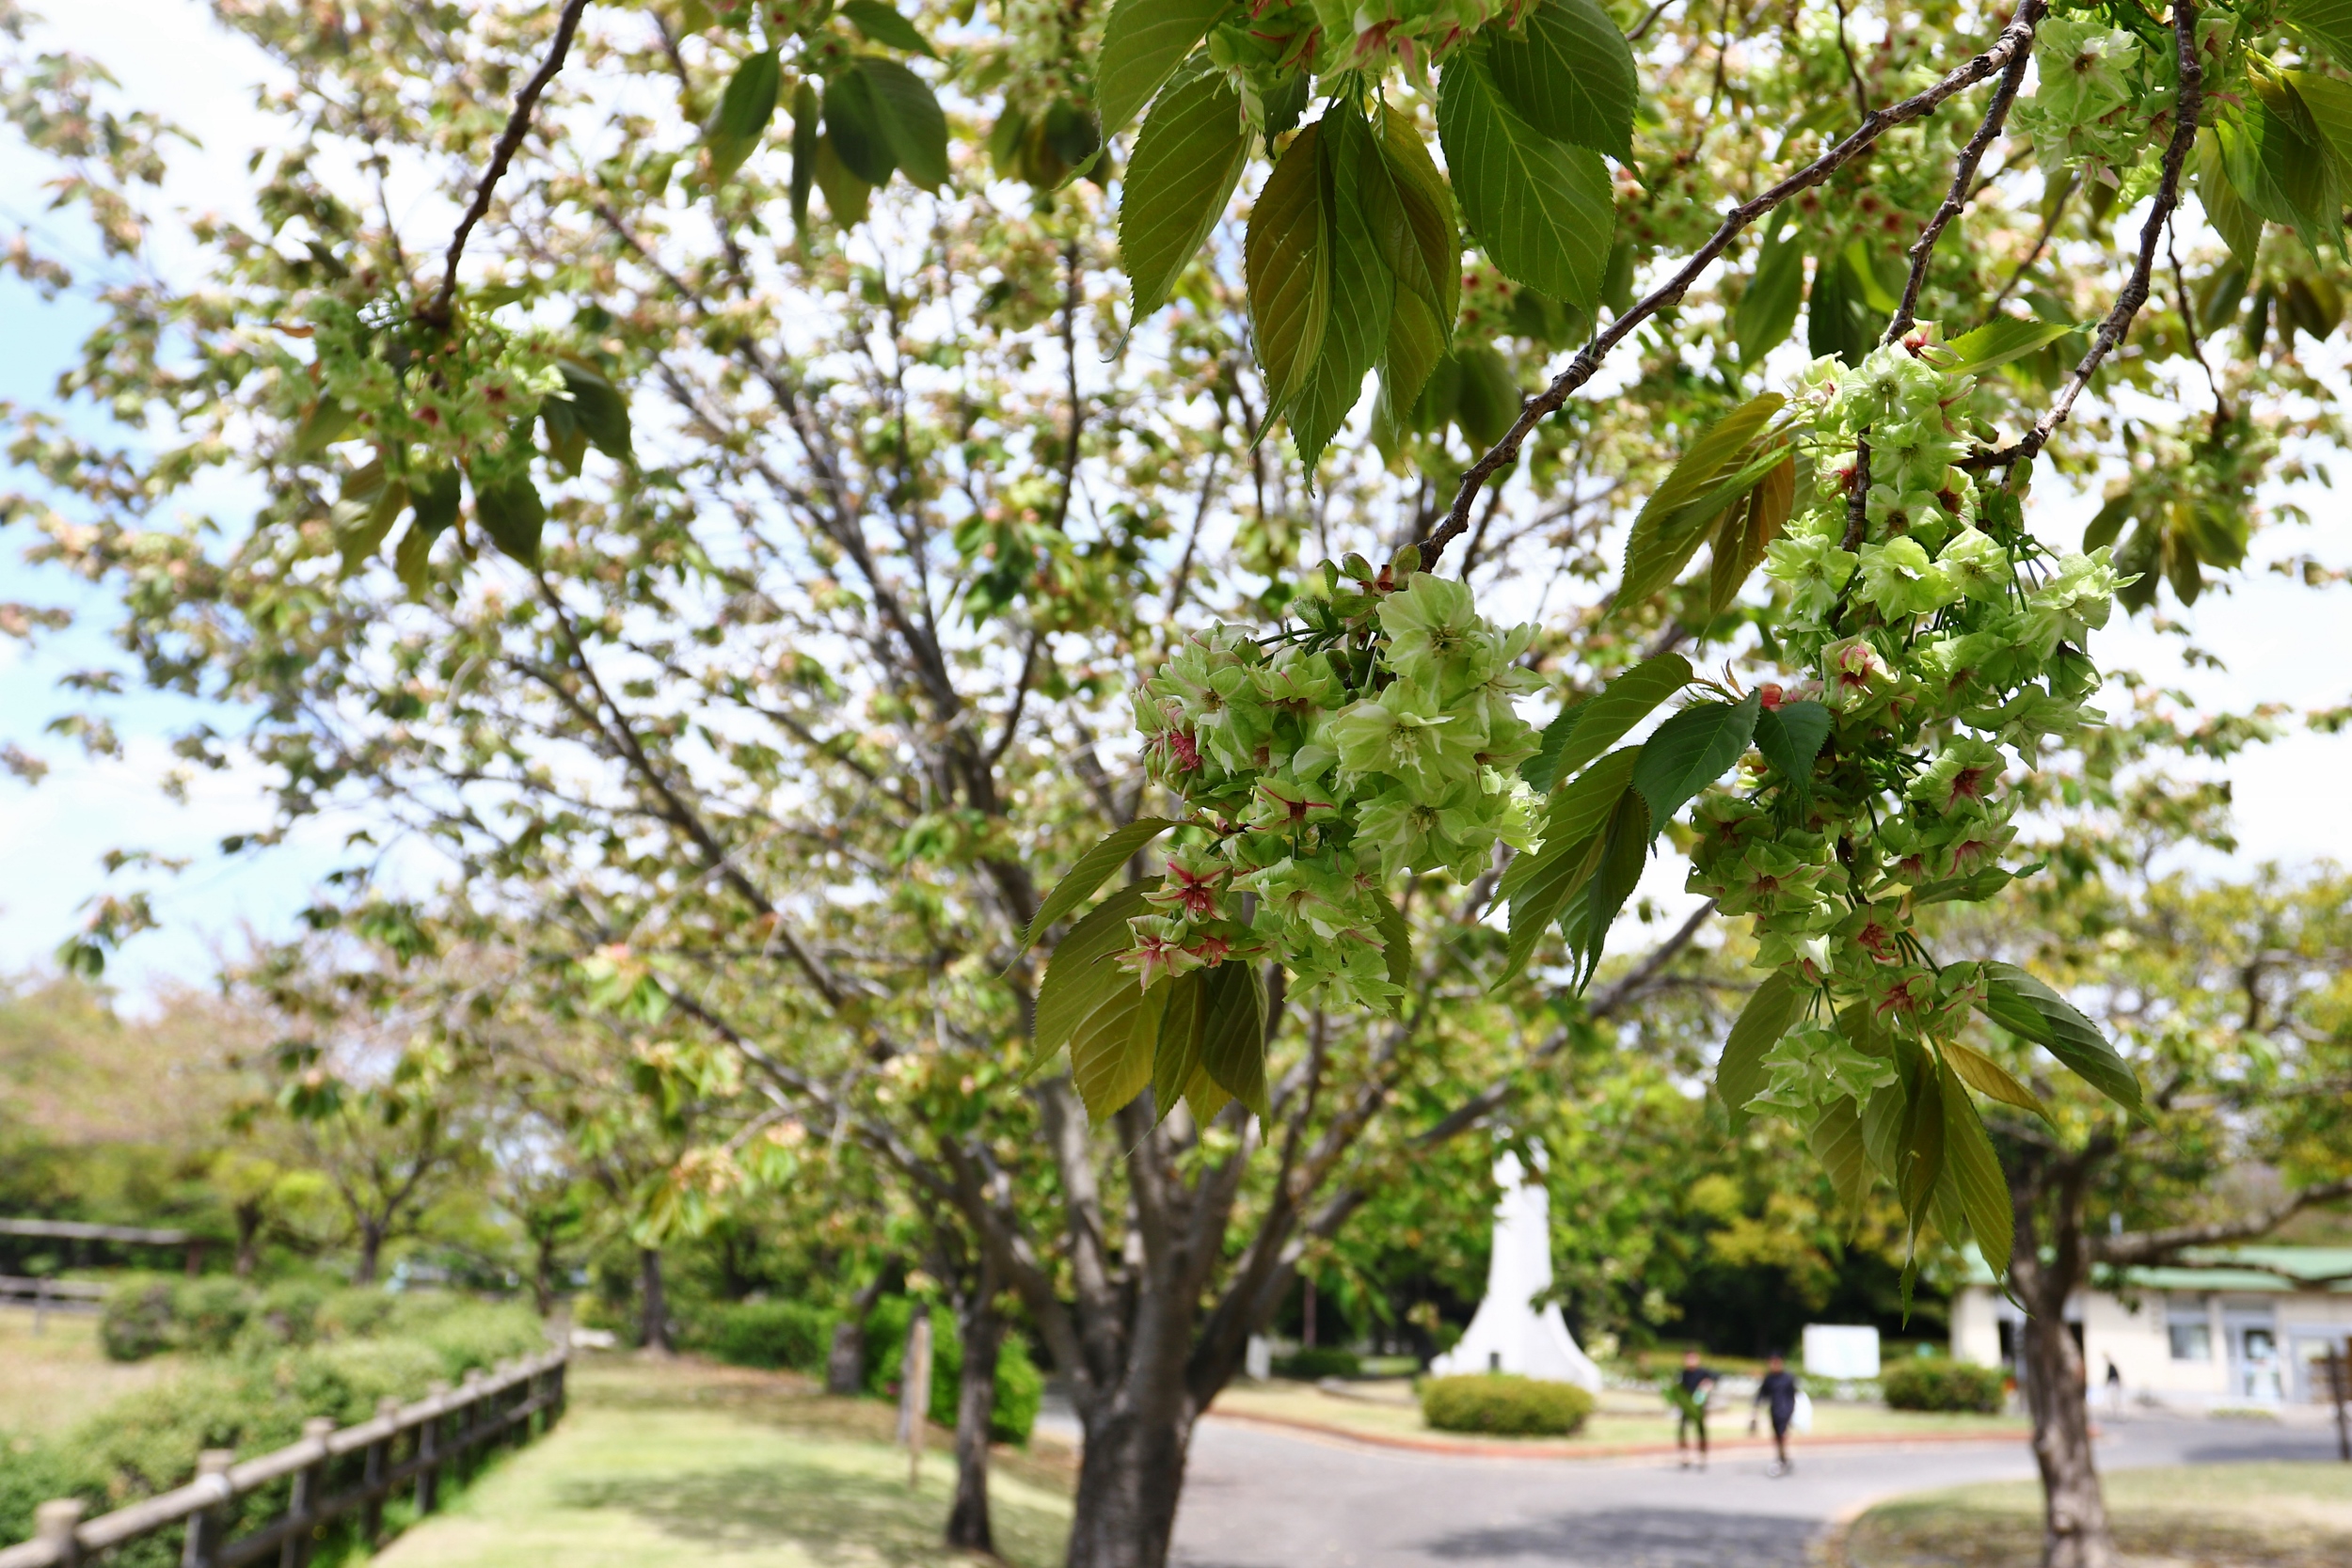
219 1316
1934 1382
1504 1404
1020 1386
1319 1363
771 1333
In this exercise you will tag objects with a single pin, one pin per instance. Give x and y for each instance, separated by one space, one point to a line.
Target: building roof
2239 1270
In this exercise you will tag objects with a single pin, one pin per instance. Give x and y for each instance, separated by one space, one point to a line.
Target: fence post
429 1450
310 1491
40 1304
469 1420
379 1464
555 1410
205 1529
54 1524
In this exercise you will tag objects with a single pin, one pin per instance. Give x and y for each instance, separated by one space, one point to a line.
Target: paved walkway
1259 1499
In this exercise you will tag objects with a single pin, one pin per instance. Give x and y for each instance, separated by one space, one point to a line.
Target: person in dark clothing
1778 1391
1698 1384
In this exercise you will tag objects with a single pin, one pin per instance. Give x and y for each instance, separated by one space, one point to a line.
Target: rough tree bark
983 1329
845 1362
2046 1270
248 1218
652 1305
370 1251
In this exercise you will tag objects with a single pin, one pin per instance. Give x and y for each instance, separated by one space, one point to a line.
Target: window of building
2191 1341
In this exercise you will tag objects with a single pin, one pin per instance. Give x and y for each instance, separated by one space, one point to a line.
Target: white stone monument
1508 1334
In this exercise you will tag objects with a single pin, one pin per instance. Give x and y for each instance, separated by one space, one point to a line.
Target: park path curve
1259 1498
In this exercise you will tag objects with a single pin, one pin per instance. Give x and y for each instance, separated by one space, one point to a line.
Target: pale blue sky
2283 642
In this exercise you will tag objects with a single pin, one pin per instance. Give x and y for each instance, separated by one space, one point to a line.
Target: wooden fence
45 1296
333 1474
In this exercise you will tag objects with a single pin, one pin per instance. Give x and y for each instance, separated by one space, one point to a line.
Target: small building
2248 1325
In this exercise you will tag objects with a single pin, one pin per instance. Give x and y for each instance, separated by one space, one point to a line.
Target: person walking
1696 1385
1777 1391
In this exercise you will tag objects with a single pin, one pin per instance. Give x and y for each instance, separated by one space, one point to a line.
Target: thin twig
2119 320
1853 73
1655 12
517 127
2014 38
1995 116
2195 343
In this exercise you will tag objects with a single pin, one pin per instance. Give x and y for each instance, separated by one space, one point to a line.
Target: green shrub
1020 1386
1319 1363
1935 1382
788 1333
138 1322
1504 1404
211 1313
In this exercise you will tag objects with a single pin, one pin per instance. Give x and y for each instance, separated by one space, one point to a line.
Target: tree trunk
2075 1512
983 1331
248 1216
1130 1474
543 1278
370 1249
845 1367
653 1306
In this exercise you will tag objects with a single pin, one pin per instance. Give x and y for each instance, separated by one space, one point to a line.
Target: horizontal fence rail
52 1295
333 1474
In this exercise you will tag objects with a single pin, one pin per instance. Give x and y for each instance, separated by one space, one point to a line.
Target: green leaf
853 128
599 409
807 137
1111 1048
1773 1007
846 194
1725 461
883 26
1919 1155
1839 320
1992 1080
1362 291
1143 43
1188 157
1974 1171
511 512
1575 815
1396 942
1408 212
2004 339
1789 737
2328 102
1176 1057
2278 164
1690 750
1624 703
2239 226
1767 313
1836 1141
1747 530
325 423
1883 1127
2031 1011
1233 1043
1543 211
1542 770
744 109
2325 22
361 533
1081 973
1540 896
1975 888
1286 260
1094 869
1569 73
1625 850
912 121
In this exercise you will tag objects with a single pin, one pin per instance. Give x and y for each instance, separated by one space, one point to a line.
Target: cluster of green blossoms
1945 645
430 398
1381 740
2104 97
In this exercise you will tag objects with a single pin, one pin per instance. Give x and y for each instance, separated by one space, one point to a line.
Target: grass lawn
1386 1407
2254 1515
50 1380
656 1465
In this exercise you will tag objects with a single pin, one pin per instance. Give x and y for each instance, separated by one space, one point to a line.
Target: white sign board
1838 1350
